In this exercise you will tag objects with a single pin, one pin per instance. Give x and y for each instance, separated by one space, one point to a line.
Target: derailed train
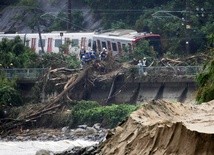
115 41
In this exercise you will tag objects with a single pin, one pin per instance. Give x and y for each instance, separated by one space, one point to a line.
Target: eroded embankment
164 128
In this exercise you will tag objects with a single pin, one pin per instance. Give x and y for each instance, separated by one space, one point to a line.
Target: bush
205 81
9 96
90 113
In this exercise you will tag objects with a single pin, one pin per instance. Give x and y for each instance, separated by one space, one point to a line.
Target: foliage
31 3
109 116
13 53
60 21
57 60
9 95
205 81
147 16
8 2
141 50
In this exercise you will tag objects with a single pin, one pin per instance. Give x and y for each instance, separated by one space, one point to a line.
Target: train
116 41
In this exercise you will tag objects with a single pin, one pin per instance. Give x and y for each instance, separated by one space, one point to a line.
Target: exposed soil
164 128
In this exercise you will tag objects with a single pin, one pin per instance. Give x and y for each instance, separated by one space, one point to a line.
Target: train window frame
27 43
58 42
74 42
114 46
43 43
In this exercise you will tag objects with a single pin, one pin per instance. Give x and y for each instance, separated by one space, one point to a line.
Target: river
31 147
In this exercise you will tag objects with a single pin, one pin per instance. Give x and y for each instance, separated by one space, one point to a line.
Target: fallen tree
70 80
72 85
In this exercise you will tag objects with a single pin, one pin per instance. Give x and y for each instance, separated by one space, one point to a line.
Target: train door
49 48
67 43
83 42
33 44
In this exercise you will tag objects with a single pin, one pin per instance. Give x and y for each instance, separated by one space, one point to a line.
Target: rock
90 130
97 126
44 152
65 129
82 126
78 132
20 138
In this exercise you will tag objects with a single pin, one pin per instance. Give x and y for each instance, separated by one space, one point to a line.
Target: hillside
164 128
19 19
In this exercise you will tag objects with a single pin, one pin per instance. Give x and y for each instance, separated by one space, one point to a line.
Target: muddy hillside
164 128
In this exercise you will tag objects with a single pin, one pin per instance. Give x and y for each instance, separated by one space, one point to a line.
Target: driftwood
186 60
72 78
48 108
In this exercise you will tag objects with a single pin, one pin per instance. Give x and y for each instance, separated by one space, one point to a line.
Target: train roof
125 33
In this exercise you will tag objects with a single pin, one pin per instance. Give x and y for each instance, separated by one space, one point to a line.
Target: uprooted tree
75 84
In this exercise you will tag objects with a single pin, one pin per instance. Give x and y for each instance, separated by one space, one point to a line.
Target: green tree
13 53
57 60
9 95
205 82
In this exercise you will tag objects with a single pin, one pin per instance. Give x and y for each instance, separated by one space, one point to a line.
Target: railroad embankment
162 127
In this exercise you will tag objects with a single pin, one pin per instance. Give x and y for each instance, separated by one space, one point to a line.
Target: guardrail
24 73
170 70
35 73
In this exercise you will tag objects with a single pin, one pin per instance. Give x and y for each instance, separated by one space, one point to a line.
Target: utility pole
69 16
40 35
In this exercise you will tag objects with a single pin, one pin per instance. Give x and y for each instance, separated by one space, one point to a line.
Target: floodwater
31 147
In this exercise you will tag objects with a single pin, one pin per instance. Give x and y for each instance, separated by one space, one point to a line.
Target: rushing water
30 147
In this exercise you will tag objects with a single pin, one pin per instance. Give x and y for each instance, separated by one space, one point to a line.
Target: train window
94 46
89 42
123 47
75 42
103 44
43 43
27 43
58 42
114 46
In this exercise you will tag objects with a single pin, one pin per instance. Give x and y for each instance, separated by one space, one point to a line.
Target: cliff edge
162 127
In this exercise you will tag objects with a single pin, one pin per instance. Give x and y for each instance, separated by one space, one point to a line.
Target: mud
164 128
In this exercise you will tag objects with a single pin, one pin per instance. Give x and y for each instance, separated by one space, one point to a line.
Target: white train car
116 41
52 42
119 40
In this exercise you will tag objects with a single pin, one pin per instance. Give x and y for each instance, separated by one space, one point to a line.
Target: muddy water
31 147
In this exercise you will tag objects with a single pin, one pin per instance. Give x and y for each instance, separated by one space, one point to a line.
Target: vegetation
147 16
206 83
9 96
13 53
144 16
90 112
57 60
